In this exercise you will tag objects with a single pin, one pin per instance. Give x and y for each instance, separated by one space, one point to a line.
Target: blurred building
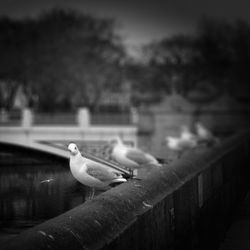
20 100
116 99
224 115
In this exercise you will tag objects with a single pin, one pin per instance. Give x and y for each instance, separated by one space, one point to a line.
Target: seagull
180 145
132 158
205 136
92 173
186 134
186 141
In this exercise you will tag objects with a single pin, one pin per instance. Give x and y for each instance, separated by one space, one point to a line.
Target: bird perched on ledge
204 136
186 141
187 135
91 173
132 158
180 145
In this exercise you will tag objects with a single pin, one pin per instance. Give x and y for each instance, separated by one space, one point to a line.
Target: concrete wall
185 205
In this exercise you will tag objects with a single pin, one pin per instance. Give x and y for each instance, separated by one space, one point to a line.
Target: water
34 190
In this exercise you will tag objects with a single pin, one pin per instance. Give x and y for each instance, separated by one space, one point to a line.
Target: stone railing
187 204
82 117
80 129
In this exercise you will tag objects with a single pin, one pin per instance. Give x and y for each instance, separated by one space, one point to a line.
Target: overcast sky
139 21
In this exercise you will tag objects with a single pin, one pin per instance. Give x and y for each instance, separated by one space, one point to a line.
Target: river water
33 191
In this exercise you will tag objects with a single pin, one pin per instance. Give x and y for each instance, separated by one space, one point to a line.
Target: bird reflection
47 181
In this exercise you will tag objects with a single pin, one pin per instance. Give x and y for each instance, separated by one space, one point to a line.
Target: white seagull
186 141
187 135
180 145
205 136
132 158
92 173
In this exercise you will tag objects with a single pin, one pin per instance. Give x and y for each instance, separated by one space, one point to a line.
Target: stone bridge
54 138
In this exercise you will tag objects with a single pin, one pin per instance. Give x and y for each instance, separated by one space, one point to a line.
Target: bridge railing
187 204
54 119
81 118
65 128
111 118
12 118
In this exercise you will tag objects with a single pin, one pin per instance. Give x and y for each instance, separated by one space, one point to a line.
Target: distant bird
92 173
187 135
205 136
132 158
186 141
180 145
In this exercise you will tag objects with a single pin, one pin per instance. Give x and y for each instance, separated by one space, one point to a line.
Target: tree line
67 59
215 59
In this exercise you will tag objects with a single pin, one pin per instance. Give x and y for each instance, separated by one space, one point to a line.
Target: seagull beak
70 151
73 152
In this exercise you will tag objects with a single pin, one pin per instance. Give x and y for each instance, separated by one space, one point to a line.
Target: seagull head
73 149
198 125
186 130
116 141
172 142
200 129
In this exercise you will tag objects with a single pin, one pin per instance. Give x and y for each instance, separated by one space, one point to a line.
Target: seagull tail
155 164
117 181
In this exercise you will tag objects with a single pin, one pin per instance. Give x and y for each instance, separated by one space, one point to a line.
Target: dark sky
139 21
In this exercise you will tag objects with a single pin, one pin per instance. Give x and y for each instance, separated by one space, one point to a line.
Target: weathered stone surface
183 205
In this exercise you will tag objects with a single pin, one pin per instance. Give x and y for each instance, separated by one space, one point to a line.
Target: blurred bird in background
186 141
189 140
131 157
205 136
186 134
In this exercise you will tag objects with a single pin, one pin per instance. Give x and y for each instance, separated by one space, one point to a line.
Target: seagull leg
131 173
91 194
134 172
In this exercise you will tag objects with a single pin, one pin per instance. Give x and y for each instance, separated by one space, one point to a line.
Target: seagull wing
100 172
137 156
204 132
186 144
